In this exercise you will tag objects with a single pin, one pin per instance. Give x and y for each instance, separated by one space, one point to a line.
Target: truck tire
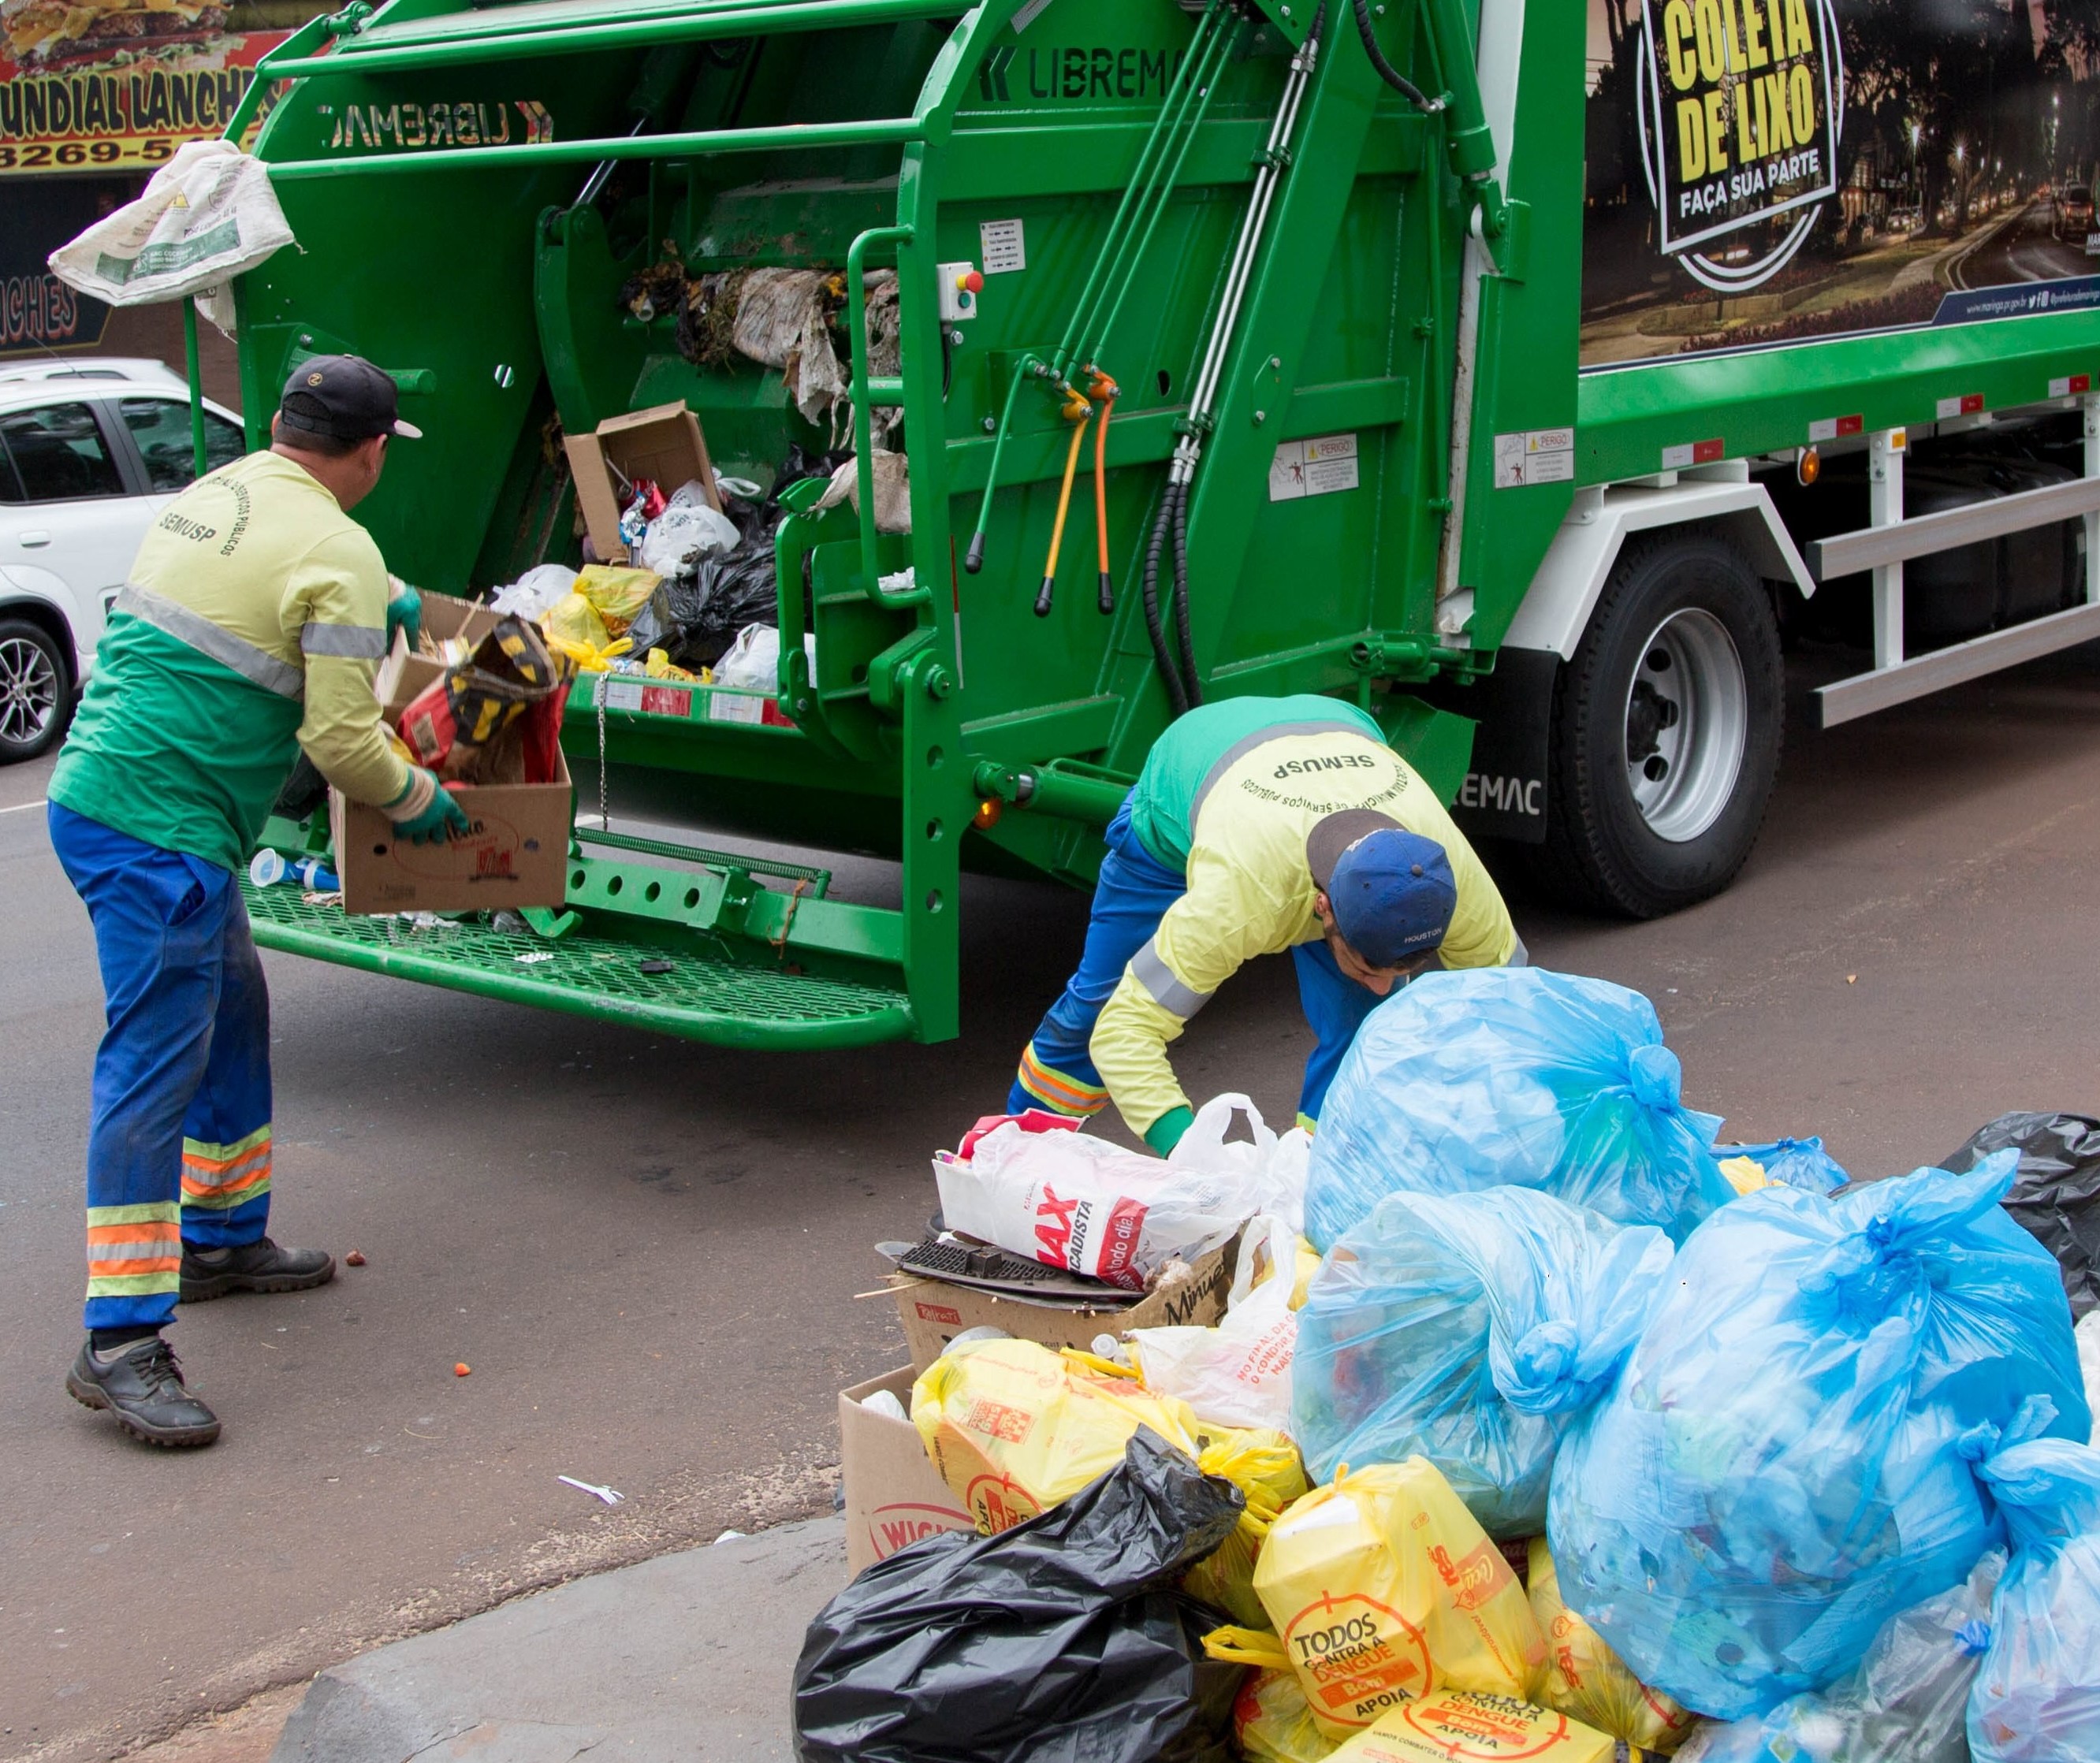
36 691
1666 732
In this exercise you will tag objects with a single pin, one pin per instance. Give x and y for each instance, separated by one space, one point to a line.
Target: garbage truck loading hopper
1256 239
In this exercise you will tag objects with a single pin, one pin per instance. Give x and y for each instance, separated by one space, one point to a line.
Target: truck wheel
1667 731
36 698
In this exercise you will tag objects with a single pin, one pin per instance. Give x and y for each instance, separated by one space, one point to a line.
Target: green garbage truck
1527 374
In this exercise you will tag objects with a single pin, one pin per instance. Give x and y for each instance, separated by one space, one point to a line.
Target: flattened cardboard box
933 1312
663 443
893 1494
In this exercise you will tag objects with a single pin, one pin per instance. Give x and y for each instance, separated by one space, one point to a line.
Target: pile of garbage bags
699 594
1538 1424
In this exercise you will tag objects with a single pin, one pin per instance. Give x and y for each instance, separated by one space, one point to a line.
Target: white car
91 449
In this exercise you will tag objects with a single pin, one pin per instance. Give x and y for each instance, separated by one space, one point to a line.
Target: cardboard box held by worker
893 1494
517 854
663 444
934 1312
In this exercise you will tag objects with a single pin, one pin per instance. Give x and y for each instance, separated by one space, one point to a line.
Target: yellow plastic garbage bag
1273 1725
1265 1466
1745 1175
1460 1725
1585 1678
573 619
617 592
1014 1428
1382 1586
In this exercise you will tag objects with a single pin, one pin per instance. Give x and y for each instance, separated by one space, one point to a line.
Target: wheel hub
1686 724
28 691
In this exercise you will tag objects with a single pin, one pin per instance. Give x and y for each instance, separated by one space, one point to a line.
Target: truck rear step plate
701 998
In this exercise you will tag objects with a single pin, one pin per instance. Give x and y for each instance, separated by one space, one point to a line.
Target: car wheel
36 691
1667 731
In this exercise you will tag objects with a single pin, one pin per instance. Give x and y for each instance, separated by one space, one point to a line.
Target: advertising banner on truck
1769 171
110 86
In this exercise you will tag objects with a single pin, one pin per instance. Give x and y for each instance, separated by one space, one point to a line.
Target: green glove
440 819
1165 1133
404 612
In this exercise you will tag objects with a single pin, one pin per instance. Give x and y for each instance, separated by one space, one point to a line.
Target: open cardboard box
933 1311
663 443
893 1494
517 853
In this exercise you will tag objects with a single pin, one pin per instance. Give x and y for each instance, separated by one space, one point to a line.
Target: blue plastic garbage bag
2037 1699
1798 1162
1499 1077
1778 1468
1906 1702
1470 1329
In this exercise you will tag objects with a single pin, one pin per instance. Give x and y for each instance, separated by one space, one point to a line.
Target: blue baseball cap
1392 891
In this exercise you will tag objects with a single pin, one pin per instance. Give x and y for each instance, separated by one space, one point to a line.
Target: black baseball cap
343 397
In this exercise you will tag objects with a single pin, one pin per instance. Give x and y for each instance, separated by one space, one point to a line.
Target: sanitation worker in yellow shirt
252 626
1258 824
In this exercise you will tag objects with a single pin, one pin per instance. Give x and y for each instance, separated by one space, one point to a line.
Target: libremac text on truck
1515 370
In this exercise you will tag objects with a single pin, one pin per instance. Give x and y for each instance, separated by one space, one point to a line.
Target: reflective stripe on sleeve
1159 979
194 631
346 642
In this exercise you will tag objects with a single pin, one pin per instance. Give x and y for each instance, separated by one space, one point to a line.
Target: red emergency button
971 281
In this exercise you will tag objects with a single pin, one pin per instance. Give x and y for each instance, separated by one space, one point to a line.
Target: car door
67 512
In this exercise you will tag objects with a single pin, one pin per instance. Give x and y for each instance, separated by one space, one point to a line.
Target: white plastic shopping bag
205 218
1036 1186
1238 1373
1270 1167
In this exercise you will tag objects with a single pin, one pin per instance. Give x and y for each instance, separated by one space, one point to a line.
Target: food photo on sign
108 85
1764 171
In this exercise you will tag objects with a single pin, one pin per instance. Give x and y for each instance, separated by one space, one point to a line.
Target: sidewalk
685 1657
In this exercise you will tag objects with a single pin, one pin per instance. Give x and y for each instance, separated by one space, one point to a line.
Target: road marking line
40 802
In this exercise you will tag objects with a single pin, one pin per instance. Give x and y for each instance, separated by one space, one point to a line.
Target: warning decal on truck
1539 456
1313 468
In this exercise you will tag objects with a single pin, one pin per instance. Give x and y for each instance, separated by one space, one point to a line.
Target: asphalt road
2023 247
649 1253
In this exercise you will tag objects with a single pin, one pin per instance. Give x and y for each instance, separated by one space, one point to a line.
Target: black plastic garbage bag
1059 1641
694 618
2056 1193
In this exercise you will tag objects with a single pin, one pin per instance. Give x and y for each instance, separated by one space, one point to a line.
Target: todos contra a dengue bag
1381 1588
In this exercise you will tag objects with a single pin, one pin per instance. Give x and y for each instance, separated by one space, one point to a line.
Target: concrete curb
685 1657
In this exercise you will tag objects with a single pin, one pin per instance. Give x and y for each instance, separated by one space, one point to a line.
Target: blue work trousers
179 1148
1132 895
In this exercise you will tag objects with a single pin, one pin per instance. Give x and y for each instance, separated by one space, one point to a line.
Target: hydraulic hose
1163 656
1189 678
1391 75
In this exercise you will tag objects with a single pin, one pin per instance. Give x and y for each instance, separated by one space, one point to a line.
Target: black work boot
260 1266
140 1383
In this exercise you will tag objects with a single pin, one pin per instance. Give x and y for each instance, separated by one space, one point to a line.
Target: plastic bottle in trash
267 867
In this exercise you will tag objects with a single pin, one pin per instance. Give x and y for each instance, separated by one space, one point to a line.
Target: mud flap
1504 796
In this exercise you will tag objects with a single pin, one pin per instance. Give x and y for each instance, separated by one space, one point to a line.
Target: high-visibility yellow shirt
252 625
1246 820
